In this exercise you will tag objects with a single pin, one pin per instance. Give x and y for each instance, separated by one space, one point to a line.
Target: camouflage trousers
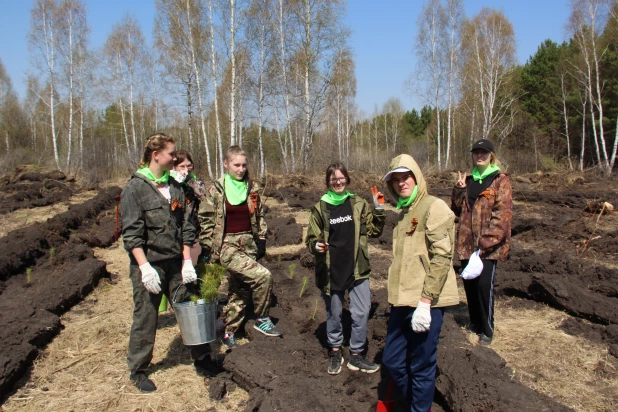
247 278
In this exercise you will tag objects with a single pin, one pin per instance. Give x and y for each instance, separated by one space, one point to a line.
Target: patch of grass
278 261
52 253
303 286
29 276
291 271
73 231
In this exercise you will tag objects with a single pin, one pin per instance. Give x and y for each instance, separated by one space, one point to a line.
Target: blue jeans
410 358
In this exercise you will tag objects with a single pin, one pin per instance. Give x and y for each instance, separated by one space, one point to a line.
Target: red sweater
237 218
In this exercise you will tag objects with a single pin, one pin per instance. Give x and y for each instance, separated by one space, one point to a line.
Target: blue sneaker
266 326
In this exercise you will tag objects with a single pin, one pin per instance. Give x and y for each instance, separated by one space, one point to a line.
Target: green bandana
145 171
235 190
408 200
335 199
478 177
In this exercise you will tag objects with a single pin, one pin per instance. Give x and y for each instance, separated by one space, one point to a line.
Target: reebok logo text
341 219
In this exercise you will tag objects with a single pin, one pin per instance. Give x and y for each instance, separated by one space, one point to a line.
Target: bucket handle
177 289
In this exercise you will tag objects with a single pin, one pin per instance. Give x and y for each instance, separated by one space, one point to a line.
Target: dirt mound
475 378
595 333
23 246
284 231
37 194
48 268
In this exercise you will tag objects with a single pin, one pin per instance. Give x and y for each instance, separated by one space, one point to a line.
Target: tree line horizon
278 78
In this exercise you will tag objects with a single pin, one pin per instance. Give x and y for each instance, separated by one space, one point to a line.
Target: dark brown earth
25 190
45 270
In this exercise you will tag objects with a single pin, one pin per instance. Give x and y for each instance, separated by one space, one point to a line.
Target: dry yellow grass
84 367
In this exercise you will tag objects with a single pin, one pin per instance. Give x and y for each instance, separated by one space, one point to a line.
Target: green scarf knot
235 190
478 177
336 199
405 202
145 171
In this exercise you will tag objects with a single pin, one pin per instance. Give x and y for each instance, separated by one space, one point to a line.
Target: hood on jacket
405 160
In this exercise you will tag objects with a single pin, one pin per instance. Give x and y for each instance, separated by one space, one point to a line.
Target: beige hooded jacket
423 247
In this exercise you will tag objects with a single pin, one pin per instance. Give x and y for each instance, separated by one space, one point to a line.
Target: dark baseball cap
483 144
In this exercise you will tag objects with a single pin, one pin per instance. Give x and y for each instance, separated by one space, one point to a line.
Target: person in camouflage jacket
233 233
157 233
483 202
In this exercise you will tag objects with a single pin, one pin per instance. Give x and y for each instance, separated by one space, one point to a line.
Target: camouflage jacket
149 221
195 190
211 216
488 226
367 223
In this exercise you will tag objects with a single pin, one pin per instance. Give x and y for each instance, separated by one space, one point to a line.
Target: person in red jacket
483 202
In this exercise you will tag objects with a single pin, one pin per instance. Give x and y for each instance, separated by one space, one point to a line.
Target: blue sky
383 34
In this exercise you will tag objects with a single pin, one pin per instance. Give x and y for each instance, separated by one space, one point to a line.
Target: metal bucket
196 320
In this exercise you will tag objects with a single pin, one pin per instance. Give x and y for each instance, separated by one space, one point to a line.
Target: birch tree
431 61
184 36
73 37
43 42
585 24
488 50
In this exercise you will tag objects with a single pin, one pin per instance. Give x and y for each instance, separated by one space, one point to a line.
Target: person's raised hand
461 179
378 198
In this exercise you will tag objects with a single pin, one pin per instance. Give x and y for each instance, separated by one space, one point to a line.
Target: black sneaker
142 382
207 366
485 340
266 326
360 363
335 360
229 341
473 328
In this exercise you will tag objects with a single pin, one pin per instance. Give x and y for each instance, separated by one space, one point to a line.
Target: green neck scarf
478 177
405 202
145 171
235 190
335 199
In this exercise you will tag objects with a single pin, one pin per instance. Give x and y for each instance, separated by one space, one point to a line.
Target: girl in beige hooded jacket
421 283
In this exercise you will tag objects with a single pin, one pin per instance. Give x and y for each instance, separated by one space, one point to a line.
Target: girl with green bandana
233 233
483 202
158 235
339 226
195 189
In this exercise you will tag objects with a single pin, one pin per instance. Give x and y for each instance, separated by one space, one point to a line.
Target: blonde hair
155 142
234 151
493 159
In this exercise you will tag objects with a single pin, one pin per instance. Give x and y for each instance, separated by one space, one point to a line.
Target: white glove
474 268
320 247
178 176
421 319
150 278
188 271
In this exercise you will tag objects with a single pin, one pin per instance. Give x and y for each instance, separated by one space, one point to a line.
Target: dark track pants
410 358
146 311
480 296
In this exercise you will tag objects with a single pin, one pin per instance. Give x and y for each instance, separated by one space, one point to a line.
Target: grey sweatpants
360 303
146 311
